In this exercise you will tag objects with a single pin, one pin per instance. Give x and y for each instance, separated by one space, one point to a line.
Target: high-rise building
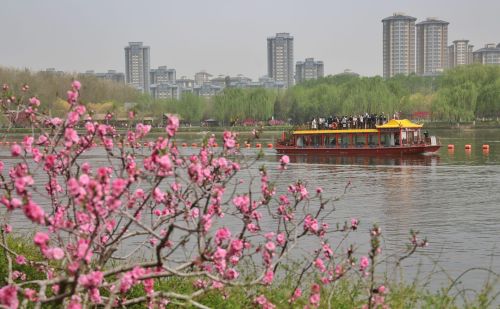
280 58
202 78
162 75
398 44
432 46
490 54
308 69
459 53
137 66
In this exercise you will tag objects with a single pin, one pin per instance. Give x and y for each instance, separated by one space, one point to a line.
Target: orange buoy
269 145
258 145
194 145
237 145
468 147
184 144
486 147
215 145
247 145
451 146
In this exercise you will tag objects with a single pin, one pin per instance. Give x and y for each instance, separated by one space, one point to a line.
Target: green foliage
240 104
51 88
23 247
461 94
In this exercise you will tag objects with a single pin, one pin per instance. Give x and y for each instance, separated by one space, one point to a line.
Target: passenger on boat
314 124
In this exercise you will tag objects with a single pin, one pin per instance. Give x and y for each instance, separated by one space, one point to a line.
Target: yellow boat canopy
396 124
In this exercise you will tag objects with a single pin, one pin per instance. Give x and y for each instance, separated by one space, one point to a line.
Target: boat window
359 140
300 141
330 140
387 139
373 139
315 140
344 140
404 137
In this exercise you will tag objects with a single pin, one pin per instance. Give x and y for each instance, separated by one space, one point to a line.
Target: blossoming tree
149 213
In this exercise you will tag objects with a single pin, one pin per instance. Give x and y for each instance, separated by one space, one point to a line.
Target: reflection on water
367 160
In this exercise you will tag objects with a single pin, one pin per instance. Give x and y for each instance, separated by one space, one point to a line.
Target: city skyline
221 37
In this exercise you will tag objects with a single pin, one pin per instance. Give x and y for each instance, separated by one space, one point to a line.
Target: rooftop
432 21
399 16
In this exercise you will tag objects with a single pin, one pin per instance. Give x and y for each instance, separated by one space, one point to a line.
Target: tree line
461 94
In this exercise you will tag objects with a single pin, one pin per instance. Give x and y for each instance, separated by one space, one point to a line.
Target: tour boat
395 137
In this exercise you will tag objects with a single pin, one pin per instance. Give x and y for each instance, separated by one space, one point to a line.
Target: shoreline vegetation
346 293
464 94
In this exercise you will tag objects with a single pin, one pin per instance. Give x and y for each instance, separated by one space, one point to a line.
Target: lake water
452 198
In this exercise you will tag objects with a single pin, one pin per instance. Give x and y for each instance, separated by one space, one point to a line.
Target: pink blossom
165 163
21 260
54 253
72 118
75 302
320 265
270 246
220 254
354 224
284 161
268 277
296 294
28 143
76 85
172 125
1 166
91 280
34 212
229 141
281 239
119 185
34 101
15 150
242 202
237 245
30 294
71 137
382 289
231 274
158 195
221 235
41 239
8 297
7 228
364 263
314 299
206 220
72 96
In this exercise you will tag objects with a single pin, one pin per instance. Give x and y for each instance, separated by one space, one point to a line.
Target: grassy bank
348 292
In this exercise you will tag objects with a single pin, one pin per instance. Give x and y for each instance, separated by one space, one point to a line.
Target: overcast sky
220 36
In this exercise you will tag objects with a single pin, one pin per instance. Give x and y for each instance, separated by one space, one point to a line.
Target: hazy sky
220 36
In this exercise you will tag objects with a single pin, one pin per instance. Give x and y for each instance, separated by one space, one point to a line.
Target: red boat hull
358 151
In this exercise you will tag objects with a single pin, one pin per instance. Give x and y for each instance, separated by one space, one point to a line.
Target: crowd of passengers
361 121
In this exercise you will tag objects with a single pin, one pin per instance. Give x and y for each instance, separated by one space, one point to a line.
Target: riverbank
347 292
490 124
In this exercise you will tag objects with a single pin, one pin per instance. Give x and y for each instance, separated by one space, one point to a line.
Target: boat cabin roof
399 123
391 124
331 131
